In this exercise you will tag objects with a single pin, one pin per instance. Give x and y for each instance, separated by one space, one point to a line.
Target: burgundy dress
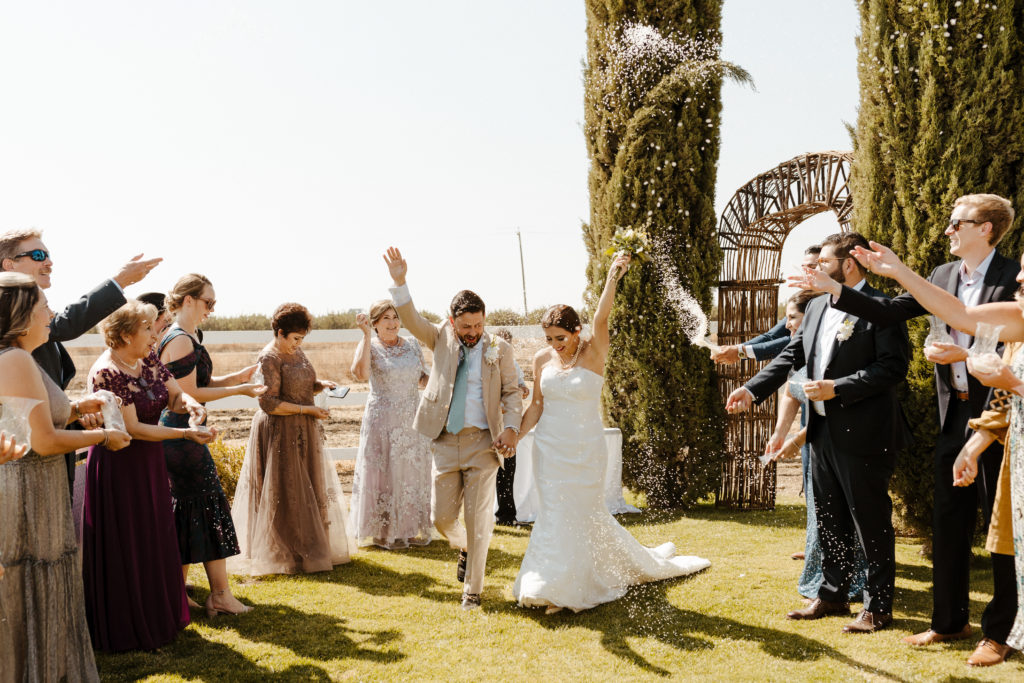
134 590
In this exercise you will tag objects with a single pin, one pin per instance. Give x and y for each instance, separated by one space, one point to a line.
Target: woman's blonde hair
19 295
191 285
379 308
125 322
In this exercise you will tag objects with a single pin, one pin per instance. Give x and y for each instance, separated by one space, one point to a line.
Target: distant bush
504 317
432 317
335 320
247 321
228 460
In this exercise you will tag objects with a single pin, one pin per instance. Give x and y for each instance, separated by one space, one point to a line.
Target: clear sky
280 147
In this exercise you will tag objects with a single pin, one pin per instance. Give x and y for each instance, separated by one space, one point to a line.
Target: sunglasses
39 255
210 303
955 223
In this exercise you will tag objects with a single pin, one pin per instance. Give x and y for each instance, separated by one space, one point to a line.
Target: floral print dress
391 489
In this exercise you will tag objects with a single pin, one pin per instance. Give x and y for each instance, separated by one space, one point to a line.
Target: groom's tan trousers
465 469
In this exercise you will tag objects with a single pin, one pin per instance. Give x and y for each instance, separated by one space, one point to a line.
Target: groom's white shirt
475 414
831 320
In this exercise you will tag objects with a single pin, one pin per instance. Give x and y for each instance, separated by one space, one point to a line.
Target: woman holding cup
202 514
43 629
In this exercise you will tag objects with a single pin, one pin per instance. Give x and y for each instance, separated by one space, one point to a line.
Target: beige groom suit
465 464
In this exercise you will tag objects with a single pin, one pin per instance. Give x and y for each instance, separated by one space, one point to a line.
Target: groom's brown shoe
868 622
820 608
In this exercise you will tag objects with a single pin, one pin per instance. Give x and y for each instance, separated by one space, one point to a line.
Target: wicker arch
751 232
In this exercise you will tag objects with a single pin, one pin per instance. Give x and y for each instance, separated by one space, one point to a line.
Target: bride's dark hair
562 316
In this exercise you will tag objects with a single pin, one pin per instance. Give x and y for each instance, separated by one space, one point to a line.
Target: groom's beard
469 340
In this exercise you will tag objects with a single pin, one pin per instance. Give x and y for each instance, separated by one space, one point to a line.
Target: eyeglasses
210 303
39 255
955 223
826 261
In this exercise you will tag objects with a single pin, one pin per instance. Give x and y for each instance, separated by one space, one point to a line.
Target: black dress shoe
460 570
470 601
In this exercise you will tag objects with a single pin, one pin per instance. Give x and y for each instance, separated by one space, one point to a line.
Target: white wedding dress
579 556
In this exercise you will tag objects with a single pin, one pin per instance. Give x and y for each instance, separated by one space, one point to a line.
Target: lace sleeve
114 382
424 371
270 366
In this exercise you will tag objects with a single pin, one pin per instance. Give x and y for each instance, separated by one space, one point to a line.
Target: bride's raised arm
604 305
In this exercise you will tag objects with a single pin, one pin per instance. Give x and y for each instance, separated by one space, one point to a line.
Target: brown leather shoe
989 653
868 622
929 637
820 608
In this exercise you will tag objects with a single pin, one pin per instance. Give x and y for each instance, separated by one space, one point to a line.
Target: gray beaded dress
391 487
43 631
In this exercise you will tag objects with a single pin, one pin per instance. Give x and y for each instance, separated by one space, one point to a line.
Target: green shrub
228 460
504 317
431 317
939 117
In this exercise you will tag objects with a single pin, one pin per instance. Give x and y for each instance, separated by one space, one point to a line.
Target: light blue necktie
457 411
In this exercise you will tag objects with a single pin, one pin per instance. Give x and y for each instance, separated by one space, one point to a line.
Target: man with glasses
23 251
981 275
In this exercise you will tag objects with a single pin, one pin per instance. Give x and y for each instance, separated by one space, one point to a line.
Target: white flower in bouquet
631 241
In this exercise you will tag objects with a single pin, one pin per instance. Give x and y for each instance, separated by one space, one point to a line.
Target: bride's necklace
575 357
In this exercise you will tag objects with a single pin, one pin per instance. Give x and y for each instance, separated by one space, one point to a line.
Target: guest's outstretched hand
396 266
135 270
726 355
945 354
814 280
9 449
739 401
991 371
880 259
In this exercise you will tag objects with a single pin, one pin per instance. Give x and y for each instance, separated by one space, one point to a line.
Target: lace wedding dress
579 556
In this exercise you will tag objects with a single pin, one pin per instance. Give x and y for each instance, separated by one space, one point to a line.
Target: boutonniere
492 354
845 330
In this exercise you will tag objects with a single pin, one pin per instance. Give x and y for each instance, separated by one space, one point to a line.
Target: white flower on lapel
492 354
845 330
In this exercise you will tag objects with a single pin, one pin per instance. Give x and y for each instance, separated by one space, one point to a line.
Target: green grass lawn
396 616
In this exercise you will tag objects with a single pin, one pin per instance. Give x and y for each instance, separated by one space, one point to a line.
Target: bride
579 556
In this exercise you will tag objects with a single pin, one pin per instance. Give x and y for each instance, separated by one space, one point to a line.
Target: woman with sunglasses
202 513
134 592
43 631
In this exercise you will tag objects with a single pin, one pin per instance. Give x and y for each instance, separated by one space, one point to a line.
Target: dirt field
332 361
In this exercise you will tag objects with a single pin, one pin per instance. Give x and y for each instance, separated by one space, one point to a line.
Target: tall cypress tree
940 116
652 137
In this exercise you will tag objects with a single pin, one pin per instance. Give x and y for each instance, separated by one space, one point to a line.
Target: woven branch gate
751 232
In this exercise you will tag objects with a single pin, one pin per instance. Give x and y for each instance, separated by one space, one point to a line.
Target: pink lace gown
391 489
289 508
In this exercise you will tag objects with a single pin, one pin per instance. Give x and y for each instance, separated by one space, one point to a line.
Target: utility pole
522 270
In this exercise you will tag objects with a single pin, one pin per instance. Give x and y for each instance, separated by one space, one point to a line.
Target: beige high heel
212 611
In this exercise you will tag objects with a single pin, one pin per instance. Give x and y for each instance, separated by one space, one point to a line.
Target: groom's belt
961 395
466 431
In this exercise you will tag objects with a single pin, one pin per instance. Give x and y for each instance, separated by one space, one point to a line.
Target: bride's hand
619 266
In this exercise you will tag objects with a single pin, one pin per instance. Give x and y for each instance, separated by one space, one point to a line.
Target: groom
855 430
471 408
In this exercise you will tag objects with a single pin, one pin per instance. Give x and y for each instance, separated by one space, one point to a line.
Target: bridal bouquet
632 241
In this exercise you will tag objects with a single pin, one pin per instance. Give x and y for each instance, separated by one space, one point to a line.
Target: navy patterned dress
201 510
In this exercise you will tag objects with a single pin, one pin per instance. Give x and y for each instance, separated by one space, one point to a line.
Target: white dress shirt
475 414
969 292
831 322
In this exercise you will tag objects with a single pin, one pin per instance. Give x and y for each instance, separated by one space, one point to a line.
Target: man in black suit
855 429
23 251
980 276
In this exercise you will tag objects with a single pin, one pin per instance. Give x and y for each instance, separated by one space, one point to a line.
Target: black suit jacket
865 417
999 285
74 321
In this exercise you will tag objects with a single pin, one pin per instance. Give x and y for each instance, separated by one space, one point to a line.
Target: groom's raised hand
396 266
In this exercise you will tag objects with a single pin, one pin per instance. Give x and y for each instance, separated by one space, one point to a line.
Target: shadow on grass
312 634
646 612
191 656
